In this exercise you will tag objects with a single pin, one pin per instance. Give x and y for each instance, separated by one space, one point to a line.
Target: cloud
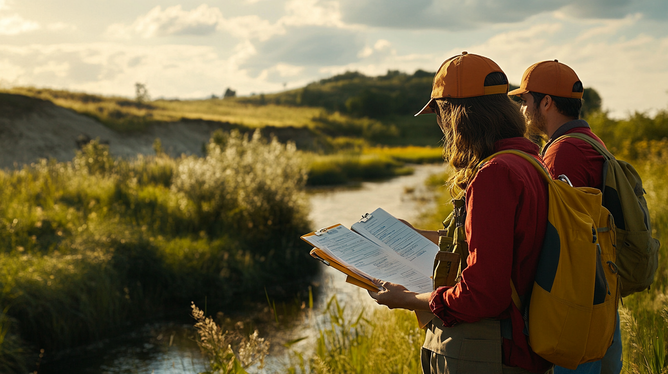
598 8
14 25
312 13
447 15
285 70
456 15
112 68
299 13
609 27
202 20
61 26
381 51
251 27
281 73
306 46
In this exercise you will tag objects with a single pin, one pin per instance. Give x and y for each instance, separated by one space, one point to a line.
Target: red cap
550 78
464 76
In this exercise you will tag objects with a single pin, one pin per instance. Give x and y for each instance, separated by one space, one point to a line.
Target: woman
478 329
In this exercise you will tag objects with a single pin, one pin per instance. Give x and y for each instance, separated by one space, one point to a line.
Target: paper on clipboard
385 249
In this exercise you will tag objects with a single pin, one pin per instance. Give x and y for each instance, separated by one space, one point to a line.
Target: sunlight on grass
344 168
123 114
91 245
410 154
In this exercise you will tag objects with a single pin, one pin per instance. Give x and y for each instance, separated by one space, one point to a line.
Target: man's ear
547 102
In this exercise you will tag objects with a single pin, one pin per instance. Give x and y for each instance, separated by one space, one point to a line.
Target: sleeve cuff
439 308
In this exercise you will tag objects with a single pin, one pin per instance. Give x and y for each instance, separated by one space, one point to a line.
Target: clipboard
352 277
423 317
357 278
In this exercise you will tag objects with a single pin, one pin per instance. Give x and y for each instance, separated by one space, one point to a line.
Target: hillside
358 95
346 110
33 128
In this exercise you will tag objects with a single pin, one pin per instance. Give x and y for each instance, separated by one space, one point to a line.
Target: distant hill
395 93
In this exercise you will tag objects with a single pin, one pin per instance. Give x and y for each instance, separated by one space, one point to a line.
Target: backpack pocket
637 260
446 267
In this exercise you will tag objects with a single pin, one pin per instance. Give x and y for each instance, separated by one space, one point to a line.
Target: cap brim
517 92
426 109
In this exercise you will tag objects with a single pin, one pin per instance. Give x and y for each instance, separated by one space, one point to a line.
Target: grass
126 115
409 154
361 163
346 168
379 341
348 341
644 315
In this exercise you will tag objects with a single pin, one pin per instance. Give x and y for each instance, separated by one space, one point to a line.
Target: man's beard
536 128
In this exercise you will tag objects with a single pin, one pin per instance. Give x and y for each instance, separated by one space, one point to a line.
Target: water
169 348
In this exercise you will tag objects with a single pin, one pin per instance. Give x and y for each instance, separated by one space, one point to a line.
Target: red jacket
578 160
505 225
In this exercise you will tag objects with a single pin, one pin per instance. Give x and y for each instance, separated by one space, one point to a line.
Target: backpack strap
538 165
517 299
595 144
598 147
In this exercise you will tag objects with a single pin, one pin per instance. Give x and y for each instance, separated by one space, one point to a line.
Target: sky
192 49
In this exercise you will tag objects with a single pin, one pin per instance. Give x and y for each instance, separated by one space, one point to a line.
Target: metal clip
321 231
366 217
564 178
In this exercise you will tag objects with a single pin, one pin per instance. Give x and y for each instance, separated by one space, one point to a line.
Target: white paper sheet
381 262
385 230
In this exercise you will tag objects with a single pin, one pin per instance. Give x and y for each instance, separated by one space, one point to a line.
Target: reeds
228 351
360 341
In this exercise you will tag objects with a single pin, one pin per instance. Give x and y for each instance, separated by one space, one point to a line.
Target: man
551 96
504 235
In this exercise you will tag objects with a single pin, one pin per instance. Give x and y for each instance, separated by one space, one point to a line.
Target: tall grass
348 341
379 341
91 245
644 315
228 351
344 168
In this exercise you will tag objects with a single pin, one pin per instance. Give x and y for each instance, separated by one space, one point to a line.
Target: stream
169 347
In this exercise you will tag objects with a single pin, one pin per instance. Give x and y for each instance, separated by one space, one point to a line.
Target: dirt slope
31 129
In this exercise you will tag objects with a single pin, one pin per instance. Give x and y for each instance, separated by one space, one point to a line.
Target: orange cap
550 78
464 76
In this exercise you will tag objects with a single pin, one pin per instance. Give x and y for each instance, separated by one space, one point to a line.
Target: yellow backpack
571 311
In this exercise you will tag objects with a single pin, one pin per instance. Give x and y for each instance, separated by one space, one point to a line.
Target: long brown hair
471 126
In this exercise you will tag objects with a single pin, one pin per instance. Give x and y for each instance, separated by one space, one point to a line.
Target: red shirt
506 217
575 158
